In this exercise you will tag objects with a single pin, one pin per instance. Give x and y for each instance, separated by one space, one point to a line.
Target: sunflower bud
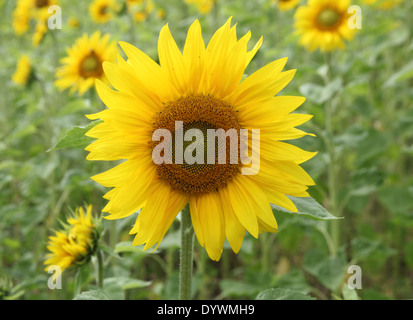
76 243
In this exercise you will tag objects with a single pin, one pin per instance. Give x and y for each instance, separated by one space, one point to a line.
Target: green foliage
282 294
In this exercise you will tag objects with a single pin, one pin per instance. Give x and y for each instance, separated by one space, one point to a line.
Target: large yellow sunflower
201 88
323 24
83 64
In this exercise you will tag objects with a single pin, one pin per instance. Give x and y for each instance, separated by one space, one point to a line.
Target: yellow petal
234 230
212 223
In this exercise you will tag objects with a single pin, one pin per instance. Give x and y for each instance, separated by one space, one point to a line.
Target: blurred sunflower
27 10
23 71
102 10
203 6
41 30
203 88
323 24
21 17
83 64
140 9
287 4
76 242
384 4
73 22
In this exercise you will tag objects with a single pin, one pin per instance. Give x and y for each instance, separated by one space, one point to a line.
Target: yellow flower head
203 6
23 71
287 4
384 4
201 88
76 243
323 24
73 22
102 10
27 10
140 9
21 17
41 29
83 64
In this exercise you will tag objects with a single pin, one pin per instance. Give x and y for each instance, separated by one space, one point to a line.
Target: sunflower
201 89
83 63
27 10
287 4
203 6
21 17
23 71
41 30
384 4
140 9
323 24
76 242
73 22
102 10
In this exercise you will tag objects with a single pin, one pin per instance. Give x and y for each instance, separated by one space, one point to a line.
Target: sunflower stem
99 273
332 174
186 256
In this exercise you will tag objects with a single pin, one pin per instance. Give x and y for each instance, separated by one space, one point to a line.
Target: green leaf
374 145
92 295
398 199
320 94
309 208
233 288
109 251
408 249
74 106
404 73
75 137
329 270
126 283
349 294
126 246
283 294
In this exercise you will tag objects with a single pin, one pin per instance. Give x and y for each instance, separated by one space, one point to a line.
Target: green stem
332 173
186 257
265 254
99 275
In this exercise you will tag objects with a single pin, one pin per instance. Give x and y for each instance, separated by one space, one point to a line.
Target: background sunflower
83 64
323 24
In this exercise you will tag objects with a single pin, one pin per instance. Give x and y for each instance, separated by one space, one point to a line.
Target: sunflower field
107 107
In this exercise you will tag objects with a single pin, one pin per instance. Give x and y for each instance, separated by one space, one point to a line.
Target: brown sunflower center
204 130
328 18
103 10
91 66
41 3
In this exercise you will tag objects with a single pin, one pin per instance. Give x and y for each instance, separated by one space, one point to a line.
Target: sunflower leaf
75 137
308 207
283 294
